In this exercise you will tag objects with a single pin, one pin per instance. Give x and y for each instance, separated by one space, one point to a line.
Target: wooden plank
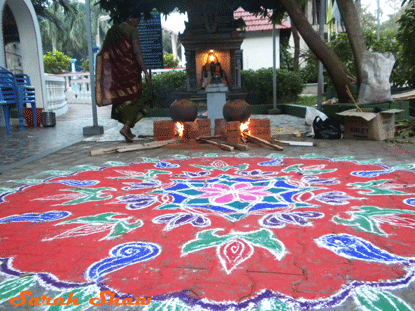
209 137
145 146
263 141
240 147
220 145
133 147
296 143
103 151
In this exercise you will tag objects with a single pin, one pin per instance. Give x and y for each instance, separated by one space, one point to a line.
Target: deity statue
212 72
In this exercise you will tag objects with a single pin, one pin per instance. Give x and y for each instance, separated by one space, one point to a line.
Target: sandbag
376 71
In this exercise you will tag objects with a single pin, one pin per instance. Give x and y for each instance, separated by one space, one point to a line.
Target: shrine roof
258 23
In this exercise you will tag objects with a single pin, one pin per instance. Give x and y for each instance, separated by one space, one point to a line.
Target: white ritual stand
216 99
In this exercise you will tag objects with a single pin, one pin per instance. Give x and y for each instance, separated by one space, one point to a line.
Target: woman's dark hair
121 10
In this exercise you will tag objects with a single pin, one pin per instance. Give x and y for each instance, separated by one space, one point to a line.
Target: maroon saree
118 74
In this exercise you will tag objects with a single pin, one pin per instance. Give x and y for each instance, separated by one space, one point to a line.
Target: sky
385 8
175 22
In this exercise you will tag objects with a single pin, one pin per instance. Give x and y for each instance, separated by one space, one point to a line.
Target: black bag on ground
327 129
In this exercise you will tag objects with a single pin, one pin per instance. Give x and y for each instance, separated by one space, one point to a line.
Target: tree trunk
296 37
354 31
331 62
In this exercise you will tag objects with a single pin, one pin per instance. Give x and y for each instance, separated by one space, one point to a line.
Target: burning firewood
262 141
240 147
220 145
210 137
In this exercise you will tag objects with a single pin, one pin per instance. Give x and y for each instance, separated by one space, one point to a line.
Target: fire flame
245 127
180 128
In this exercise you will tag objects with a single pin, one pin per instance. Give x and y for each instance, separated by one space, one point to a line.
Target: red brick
260 131
260 123
233 126
234 140
164 130
219 122
233 134
204 131
203 122
191 130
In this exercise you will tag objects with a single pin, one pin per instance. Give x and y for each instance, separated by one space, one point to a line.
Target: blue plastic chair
19 92
6 111
10 97
28 91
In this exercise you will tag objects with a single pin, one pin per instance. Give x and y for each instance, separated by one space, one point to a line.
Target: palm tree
62 24
50 16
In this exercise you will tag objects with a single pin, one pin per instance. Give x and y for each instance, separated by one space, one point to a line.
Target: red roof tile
258 23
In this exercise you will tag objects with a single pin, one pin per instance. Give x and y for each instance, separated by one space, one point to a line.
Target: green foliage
406 39
310 101
119 10
167 46
309 73
169 61
387 43
165 86
56 62
286 58
258 85
342 49
85 65
63 28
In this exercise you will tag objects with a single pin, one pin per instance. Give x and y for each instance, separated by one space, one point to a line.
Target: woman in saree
119 68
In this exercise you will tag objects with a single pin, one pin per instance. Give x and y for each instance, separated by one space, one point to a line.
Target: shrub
258 85
56 62
286 58
309 73
85 65
165 86
169 61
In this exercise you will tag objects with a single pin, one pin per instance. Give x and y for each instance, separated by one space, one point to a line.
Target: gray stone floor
21 147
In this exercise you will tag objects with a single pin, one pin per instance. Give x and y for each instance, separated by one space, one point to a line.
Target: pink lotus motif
219 163
233 253
243 192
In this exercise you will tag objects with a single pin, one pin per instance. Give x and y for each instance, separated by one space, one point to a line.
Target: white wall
30 45
258 50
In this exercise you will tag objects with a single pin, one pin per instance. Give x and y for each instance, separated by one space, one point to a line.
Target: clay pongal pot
183 110
236 110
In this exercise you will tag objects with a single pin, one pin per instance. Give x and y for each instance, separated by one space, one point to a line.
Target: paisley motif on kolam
215 232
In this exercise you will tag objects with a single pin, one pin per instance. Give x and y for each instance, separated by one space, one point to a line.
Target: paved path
31 144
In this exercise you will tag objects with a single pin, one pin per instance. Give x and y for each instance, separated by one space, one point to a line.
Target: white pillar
216 99
174 45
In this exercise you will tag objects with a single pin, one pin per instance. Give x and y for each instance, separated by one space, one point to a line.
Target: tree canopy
121 9
42 11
